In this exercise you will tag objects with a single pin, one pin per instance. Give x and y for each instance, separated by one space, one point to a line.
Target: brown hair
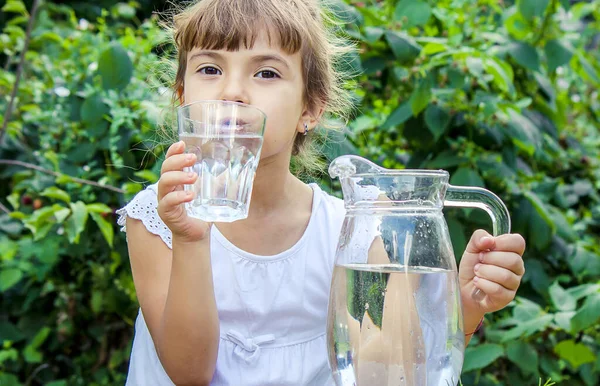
297 26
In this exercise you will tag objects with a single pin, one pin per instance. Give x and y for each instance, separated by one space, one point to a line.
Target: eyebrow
255 59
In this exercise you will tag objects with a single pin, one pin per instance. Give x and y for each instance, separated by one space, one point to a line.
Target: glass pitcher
395 314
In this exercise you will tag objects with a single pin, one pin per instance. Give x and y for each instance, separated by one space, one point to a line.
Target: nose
234 89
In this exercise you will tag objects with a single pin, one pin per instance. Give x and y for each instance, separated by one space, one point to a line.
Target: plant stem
547 17
56 174
13 94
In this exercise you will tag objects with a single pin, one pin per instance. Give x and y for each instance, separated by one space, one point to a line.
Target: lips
233 122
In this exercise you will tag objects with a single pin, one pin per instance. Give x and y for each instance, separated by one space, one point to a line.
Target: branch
56 174
4 209
13 95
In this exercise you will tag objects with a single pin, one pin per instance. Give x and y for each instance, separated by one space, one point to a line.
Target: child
245 303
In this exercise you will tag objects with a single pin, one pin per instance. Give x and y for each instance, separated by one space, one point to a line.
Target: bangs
234 24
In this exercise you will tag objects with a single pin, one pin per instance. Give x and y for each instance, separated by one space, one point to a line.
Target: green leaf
93 110
445 160
437 120
525 55
62 214
9 380
563 228
481 356
558 53
76 222
532 8
576 354
528 328
372 34
56 193
587 70
416 12
96 301
147 175
15 6
466 176
588 315
31 353
517 26
405 49
502 73
8 249
562 299
98 208
523 355
9 277
10 332
584 262
537 276
105 227
115 67
421 96
583 290
563 319
398 116
525 134
457 235
434 48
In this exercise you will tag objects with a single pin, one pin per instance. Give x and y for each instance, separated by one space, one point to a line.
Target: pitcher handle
472 197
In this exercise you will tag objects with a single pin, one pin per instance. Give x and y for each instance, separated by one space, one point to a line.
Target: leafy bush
87 109
502 95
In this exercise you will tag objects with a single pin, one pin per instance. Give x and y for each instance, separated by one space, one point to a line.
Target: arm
176 294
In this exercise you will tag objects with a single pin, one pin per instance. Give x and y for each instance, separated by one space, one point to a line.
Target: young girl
245 303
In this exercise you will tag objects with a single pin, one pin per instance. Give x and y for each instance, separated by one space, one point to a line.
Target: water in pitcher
395 325
225 167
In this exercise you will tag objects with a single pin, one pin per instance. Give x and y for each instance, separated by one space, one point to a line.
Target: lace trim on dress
143 208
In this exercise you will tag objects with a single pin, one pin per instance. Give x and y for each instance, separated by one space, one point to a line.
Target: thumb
481 241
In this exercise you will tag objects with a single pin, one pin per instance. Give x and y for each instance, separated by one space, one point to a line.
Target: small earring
306 129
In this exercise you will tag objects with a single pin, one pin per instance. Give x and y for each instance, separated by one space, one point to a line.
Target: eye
267 74
209 70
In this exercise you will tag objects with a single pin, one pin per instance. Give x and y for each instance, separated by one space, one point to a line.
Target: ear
310 117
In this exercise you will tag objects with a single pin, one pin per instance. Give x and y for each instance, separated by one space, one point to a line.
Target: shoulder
328 203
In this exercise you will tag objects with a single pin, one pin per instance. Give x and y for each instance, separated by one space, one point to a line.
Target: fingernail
189 157
475 279
485 239
481 257
191 174
477 266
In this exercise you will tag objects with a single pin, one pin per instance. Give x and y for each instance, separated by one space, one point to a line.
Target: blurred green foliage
501 94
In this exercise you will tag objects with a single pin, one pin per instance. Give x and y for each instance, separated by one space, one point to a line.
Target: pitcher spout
350 165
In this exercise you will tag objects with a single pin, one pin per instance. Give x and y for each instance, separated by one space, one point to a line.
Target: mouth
236 122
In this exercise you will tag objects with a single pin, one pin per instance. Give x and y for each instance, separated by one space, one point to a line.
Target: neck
274 186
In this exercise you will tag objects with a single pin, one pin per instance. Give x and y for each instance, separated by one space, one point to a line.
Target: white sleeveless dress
272 309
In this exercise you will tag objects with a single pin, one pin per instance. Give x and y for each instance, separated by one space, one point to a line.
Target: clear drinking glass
227 138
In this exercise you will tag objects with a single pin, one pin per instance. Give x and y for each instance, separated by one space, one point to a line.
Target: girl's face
263 76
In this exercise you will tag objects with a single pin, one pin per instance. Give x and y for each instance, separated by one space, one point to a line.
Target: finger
508 260
510 243
506 278
494 291
173 200
170 181
480 241
176 148
177 162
